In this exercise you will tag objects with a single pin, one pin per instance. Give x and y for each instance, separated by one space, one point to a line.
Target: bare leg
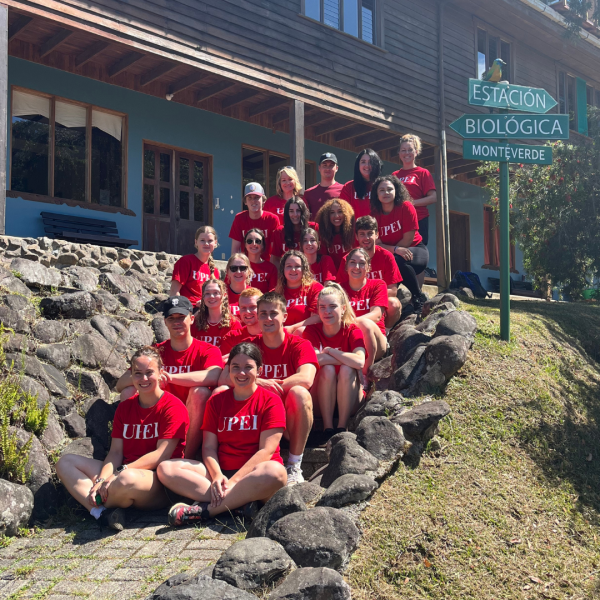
299 417
349 394
188 478
195 404
139 488
323 393
76 473
368 329
127 392
393 312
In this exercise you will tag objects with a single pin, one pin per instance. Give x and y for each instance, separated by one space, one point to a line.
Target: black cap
328 156
177 305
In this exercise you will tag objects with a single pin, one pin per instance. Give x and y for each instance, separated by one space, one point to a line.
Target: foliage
556 212
579 12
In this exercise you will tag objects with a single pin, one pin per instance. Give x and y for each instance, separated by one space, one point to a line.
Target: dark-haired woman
367 168
241 462
322 266
148 428
264 276
295 220
399 233
336 229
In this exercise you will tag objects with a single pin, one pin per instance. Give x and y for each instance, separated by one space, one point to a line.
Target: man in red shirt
328 188
289 368
192 367
383 266
249 318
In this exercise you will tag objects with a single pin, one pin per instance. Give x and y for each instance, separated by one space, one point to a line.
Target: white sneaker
294 474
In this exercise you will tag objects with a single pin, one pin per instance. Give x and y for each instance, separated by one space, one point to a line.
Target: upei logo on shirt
300 301
235 309
260 277
215 340
408 179
361 305
375 274
241 423
174 369
394 227
275 371
335 249
318 277
199 276
148 431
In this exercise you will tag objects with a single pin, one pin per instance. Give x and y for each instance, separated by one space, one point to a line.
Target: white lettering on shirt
301 301
174 369
137 433
235 309
215 340
275 371
244 423
260 277
408 179
394 227
361 305
375 274
199 276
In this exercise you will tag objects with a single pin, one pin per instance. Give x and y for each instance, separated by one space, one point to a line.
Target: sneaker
418 301
182 513
247 512
113 518
294 474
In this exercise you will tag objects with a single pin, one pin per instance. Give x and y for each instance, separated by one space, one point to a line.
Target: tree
578 12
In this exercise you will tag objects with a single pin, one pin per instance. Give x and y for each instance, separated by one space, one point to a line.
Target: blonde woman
214 319
238 275
340 347
300 290
287 185
192 270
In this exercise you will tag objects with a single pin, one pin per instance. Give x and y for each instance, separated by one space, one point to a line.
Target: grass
509 506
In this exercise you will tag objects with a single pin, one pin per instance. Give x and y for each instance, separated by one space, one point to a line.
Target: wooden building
156 112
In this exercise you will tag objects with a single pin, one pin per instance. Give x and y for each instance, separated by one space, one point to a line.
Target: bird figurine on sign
494 73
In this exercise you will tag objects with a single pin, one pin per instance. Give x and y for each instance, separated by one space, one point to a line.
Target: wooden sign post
506 126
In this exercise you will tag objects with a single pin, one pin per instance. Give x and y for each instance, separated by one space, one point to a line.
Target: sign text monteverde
505 95
511 126
514 153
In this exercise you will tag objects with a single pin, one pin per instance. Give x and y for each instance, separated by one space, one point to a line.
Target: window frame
562 71
501 37
495 233
50 198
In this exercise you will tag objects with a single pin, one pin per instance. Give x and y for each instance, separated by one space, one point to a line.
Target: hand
103 491
405 253
274 385
93 492
218 490
165 379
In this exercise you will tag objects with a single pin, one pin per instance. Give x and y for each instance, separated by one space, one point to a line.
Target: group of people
309 293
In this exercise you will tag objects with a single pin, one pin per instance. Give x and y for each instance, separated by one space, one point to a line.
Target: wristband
99 480
120 469
395 248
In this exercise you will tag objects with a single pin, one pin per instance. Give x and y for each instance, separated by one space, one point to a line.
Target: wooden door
176 199
460 242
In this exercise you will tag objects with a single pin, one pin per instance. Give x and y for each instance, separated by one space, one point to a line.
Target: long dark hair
288 226
360 185
400 197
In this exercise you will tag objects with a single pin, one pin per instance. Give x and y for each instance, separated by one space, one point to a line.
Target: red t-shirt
234 301
372 294
214 333
141 428
336 249
276 205
301 303
233 338
284 361
279 247
191 273
361 206
198 357
383 266
392 227
265 276
347 339
418 182
317 195
324 269
239 423
242 223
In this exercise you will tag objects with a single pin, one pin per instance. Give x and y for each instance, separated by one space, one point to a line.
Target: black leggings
410 269
424 229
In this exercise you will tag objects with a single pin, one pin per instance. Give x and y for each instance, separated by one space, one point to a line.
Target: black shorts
424 230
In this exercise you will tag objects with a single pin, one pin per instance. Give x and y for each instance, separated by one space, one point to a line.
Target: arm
175 287
113 459
392 290
304 377
326 359
429 198
402 247
235 246
269 440
219 485
310 321
207 378
375 315
149 462
124 381
355 359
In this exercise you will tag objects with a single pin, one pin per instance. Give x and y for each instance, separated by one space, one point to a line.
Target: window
67 150
574 96
491 241
489 48
355 17
262 166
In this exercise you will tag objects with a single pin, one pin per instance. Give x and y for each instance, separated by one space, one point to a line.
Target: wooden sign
512 126
507 95
513 153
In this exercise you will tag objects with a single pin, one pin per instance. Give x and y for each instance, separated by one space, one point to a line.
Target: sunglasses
254 241
235 269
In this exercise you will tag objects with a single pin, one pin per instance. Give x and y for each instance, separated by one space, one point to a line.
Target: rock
439 299
161 333
145 281
384 404
88 383
35 274
109 303
17 343
320 537
420 423
67 259
97 418
83 278
253 563
63 406
309 492
380 437
284 502
107 266
436 315
348 489
313 584
74 425
55 381
53 434
80 447
347 456
457 323
130 301
11 319
114 332
58 355
450 352
149 260
32 387
11 283
338 437
382 369
93 351
119 284
86 261
125 263
140 335
162 265
20 305
406 343
16 506
203 589
466 292
410 370
431 382
30 366
49 332
77 305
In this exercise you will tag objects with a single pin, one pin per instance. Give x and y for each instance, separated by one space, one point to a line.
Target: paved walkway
79 561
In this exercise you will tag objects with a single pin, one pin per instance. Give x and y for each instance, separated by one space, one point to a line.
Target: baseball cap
328 156
253 188
177 305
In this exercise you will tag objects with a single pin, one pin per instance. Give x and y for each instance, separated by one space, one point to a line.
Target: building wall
154 120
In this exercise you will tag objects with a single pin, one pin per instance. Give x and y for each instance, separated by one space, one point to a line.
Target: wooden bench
83 230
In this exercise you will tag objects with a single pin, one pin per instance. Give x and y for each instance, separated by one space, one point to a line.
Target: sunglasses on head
236 268
258 242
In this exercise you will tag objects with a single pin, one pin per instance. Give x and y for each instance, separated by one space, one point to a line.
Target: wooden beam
388 144
317 117
55 41
186 82
463 169
369 138
239 97
157 72
282 115
350 132
215 89
3 111
297 139
330 126
267 105
18 25
124 63
90 52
